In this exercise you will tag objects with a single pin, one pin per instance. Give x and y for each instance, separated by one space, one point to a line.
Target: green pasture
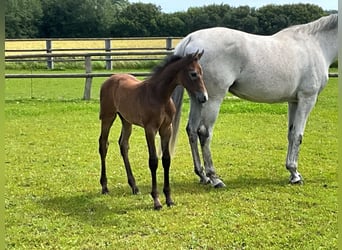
53 198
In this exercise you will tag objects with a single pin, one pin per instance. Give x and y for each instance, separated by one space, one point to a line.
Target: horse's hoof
204 181
217 183
297 180
220 185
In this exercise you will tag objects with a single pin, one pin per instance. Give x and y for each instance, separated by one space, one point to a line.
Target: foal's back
118 93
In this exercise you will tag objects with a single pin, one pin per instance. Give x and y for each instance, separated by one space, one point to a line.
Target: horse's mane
167 61
324 23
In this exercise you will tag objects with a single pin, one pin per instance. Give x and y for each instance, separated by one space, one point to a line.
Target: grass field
53 199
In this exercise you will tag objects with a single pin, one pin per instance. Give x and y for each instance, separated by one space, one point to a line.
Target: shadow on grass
120 204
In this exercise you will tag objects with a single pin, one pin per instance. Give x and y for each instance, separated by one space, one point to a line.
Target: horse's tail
177 97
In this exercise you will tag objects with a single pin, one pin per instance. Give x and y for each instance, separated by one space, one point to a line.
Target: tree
22 18
273 18
79 18
137 20
243 18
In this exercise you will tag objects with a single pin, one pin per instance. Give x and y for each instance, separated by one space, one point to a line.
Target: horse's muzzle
202 97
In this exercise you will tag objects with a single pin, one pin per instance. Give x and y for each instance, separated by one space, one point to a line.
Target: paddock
53 200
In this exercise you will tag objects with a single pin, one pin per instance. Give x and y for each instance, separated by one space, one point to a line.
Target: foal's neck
164 83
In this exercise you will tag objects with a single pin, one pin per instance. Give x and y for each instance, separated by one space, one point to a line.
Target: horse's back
251 66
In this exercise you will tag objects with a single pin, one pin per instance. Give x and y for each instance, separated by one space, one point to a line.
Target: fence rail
107 47
87 58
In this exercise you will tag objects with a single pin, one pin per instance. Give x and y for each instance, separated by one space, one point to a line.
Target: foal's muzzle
201 97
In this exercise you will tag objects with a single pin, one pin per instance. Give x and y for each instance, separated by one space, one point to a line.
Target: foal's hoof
158 207
105 190
170 203
135 190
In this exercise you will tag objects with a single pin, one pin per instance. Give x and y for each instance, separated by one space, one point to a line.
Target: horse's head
191 77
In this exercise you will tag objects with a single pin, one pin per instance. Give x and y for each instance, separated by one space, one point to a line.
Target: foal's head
191 77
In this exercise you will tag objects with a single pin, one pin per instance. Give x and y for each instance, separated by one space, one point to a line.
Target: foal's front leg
126 132
165 135
153 164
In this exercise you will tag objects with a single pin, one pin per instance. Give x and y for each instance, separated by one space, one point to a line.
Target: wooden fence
108 47
108 53
111 54
87 58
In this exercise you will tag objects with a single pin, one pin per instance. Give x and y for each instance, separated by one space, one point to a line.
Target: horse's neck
328 41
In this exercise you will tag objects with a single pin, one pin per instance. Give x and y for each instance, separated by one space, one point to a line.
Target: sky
169 6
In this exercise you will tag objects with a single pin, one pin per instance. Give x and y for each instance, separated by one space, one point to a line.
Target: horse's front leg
298 114
165 135
153 165
192 129
205 133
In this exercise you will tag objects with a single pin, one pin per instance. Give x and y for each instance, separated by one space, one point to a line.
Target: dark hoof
135 190
220 185
105 190
158 207
204 181
170 203
299 182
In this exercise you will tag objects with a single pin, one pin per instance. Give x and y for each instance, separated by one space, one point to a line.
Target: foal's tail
177 97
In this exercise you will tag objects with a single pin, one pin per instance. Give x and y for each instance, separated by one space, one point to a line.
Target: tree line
120 18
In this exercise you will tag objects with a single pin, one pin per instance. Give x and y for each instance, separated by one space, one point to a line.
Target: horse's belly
267 93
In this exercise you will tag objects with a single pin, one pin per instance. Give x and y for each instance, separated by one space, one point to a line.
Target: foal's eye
193 75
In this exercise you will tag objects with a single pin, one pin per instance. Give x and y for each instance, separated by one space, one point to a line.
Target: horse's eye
193 75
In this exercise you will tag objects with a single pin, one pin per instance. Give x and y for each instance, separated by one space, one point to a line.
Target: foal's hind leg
124 146
298 115
106 124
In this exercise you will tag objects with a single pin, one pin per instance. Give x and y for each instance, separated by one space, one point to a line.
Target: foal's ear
200 54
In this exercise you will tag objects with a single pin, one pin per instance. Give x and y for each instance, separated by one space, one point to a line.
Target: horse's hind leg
106 124
124 146
298 115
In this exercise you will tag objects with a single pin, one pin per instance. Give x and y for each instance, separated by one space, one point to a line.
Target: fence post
169 43
88 81
49 59
109 65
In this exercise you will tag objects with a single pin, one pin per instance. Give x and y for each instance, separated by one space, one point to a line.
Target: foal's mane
167 61
323 24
